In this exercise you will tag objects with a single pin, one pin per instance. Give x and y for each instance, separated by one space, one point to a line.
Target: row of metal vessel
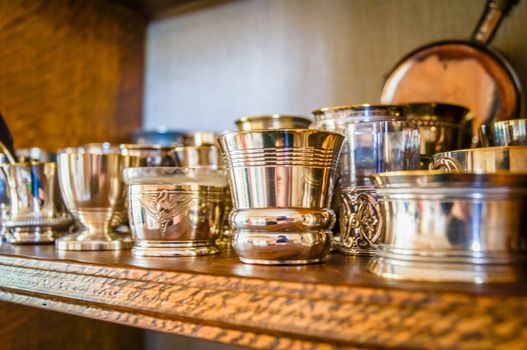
288 190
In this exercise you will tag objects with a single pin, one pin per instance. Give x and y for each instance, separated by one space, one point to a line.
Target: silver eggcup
94 193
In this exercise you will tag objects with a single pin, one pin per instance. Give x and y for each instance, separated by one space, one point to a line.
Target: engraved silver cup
374 147
282 181
175 211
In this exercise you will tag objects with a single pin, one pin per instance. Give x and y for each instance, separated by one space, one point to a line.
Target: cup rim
432 178
275 116
280 131
145 147
168 176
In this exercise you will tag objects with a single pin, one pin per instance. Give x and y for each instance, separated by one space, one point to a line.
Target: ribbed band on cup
286 156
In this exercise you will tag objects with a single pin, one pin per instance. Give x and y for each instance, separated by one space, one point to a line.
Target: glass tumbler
374 147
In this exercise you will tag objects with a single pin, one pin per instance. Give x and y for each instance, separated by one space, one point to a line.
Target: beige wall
206 68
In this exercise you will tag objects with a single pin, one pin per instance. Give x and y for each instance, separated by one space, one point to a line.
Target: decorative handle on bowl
446 163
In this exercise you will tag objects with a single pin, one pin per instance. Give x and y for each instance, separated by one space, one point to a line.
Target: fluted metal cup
175 211
282 182
93 191
36 214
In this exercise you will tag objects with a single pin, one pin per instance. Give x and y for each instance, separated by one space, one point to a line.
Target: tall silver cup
36 214
94 192
374 147
282 181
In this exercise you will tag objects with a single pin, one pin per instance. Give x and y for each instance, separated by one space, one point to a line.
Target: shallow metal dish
483 160
453 227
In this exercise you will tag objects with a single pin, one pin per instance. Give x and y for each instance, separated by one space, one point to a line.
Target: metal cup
442 128
375 147
175 211
483 160
282 181
36 214
208 156
200 138
203 156
152 155
453 227
93 191
337 118
274 121
504 133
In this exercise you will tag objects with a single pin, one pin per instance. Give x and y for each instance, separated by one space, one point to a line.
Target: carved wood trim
264 314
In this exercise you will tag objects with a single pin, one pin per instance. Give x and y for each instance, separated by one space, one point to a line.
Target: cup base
36 230
282 262
281 248
446 272
355 251
33 235
167 249
84 241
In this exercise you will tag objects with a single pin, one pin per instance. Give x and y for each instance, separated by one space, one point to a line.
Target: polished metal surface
454 227
35 154
279 176
483 160
153 155
175 211
99 147
209 157
282 236
200 138
504 133
93 191
203 156
441 127
336 118
375 147
274 121
36 213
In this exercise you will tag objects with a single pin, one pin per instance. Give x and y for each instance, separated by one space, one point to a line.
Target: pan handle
495 11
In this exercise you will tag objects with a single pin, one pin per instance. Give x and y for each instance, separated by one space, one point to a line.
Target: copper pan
462 72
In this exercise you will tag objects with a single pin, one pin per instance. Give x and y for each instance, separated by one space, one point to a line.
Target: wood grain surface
53 330
71 72
265 307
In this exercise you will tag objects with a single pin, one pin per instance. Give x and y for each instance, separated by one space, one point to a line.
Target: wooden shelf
332 305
